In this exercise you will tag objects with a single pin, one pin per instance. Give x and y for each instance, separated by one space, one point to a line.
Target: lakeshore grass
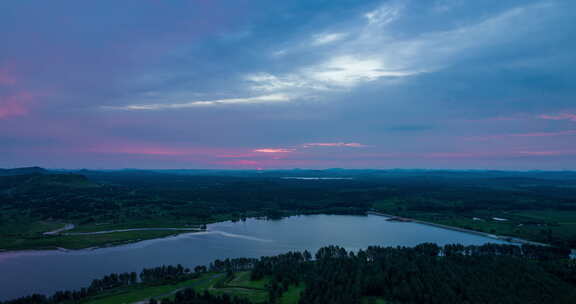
543 226
82 241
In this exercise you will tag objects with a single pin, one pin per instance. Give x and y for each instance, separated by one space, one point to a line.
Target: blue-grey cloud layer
446 83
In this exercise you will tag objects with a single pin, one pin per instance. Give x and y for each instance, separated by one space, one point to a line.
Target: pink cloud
15 105
541 134
236 155
260 164
273 150
561 116
334 144
309 145
190 153
542 153
6 79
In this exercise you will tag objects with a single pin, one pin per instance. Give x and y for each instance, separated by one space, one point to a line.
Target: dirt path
58 231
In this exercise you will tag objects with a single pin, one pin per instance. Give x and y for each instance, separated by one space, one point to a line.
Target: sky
260 84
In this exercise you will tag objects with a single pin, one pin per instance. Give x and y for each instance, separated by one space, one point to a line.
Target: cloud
358 56
273 150
13 101
271 83
6 78
327 38
348 71
543 134
15 104
385 14
334 144
547 153
336 73
310 145
408 77
372 51
203 103
560 116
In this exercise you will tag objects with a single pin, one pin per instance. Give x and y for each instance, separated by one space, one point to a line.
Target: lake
26 272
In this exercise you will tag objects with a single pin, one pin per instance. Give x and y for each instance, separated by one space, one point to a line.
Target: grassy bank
27 233
81 241
543 226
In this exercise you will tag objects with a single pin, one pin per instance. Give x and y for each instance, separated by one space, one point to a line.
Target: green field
239 285
143 292
242 279
292 295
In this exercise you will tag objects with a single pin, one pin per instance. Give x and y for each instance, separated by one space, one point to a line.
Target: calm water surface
23 273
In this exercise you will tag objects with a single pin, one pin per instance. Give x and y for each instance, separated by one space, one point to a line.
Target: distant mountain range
334 172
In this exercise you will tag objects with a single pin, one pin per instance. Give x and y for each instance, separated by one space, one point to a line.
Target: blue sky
281 84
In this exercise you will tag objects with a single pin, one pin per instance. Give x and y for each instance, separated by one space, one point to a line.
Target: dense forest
425 273
539 206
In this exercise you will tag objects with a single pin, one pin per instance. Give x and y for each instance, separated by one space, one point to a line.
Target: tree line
426 273
150 276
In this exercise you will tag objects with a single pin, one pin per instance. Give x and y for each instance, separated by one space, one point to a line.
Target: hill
23 171
34 183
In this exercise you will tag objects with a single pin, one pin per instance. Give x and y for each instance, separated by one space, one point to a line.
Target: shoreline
177 231
131 229
192 230
480 233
